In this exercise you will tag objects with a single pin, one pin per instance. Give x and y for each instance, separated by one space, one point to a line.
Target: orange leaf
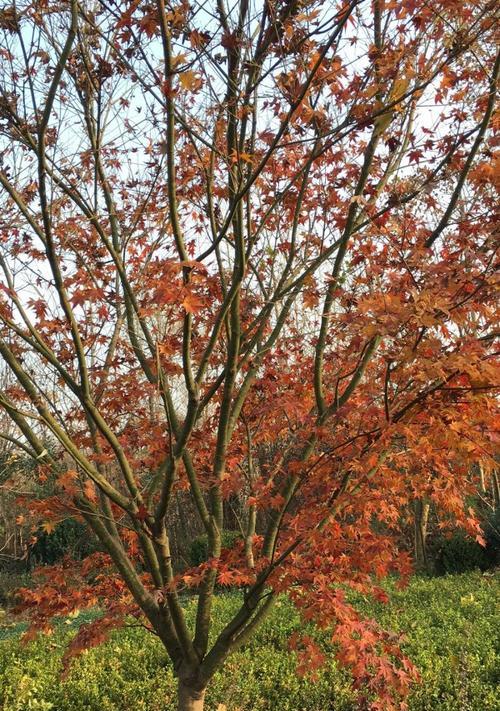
190 81
66 481
192 303
89 490
49 527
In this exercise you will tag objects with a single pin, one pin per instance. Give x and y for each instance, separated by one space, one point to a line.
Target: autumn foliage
247 255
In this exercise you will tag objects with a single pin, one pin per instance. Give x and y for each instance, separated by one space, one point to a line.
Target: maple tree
247 251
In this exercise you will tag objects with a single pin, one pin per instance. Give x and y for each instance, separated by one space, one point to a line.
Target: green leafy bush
452 634
69 538
459 554
10 582
492 533
198 552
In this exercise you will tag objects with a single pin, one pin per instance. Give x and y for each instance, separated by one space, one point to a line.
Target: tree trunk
496 490
188 698
421 515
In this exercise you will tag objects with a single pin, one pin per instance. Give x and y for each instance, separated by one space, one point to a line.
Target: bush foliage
198 552
70 537
452 634
459 554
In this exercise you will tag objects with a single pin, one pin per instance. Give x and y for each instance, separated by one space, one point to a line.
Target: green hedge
452 630
69 538
459 554
492 534
198 552
9 583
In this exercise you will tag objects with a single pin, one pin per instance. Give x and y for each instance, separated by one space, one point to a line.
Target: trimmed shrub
198 552
451 633
459 554
9 583
69 538
492 534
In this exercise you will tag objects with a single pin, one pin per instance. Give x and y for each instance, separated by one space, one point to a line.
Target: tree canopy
247 253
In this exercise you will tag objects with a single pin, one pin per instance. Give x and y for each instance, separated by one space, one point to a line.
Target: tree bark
421 515
496 490
189 698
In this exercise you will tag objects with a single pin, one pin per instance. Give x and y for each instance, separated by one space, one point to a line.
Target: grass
452 634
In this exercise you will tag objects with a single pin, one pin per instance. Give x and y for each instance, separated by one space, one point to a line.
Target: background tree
247 251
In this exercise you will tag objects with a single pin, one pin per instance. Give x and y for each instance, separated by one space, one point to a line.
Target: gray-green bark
420 520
